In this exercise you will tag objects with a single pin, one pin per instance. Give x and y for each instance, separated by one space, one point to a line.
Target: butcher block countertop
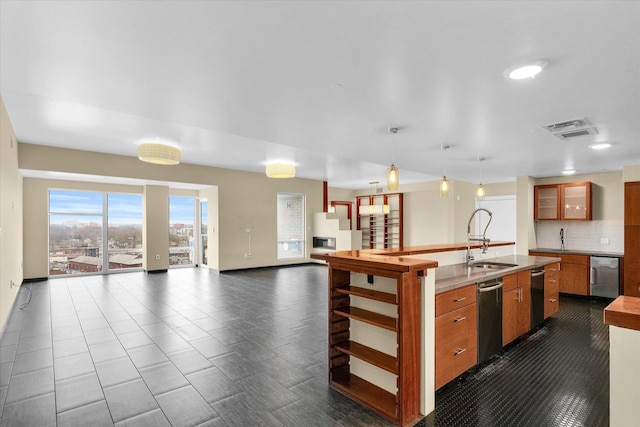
624 312
396 258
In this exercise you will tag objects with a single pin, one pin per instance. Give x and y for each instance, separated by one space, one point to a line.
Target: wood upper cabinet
632 203
516 305
631 271
546 200
569 201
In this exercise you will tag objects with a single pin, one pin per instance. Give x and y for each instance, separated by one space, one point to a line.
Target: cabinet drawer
449 301
575 259
510 282
552 280
551 269
455 325
455 358
551 304
551 288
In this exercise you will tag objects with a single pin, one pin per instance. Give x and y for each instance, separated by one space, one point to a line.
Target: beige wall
36 218
525 227
155 230
11 193
245 200
631 173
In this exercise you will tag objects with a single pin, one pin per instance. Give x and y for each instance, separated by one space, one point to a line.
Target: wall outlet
157 256
248 255
247 230
604 240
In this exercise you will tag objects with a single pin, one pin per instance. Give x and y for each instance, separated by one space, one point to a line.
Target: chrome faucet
562 239
483 239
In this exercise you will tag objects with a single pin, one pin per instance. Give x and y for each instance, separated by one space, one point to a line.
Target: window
79 236
204 215
124 233
182 215
290 217
75 232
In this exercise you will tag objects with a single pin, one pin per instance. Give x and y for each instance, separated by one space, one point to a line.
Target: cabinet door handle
552 299
459 299
552 281
462 350
460 319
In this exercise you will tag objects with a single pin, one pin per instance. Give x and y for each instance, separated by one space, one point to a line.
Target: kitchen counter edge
450 277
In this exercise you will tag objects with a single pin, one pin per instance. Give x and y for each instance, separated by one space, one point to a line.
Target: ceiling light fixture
444 182
159 154
525 71
480 190
601 146
393 173
280 170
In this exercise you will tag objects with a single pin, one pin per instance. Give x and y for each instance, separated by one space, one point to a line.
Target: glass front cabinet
569 201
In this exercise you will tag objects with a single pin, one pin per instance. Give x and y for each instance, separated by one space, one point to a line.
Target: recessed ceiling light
602 146
525 71
568 172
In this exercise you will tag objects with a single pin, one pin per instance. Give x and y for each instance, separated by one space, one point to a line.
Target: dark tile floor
248 348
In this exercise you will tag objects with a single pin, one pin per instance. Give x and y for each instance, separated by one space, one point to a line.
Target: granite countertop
454 276
578 252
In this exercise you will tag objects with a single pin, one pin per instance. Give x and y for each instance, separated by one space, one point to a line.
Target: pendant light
159 154
393 173
480 191
444 182
372 208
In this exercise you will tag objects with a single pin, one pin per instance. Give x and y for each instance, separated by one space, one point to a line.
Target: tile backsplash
582 235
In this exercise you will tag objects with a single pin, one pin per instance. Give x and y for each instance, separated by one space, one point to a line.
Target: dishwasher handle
537 273
491 288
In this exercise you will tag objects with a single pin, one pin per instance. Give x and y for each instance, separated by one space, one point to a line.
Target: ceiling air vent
571 128
577 133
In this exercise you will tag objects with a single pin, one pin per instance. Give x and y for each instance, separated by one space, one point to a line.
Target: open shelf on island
369 355
367 316
363 391
368 293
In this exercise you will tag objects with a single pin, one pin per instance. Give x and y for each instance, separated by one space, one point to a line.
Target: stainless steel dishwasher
537 296
489 319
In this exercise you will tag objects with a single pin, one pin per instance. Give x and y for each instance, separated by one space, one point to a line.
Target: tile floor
247 348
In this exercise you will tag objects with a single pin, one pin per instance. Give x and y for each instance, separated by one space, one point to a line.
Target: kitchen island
623 318
382 320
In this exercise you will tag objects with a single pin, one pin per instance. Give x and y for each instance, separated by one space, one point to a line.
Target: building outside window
84 225
182 215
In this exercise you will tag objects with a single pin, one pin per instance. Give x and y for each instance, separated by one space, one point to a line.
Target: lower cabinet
574 272
551 289
456 337
516 305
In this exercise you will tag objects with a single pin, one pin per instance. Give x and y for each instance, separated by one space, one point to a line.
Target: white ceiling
318 83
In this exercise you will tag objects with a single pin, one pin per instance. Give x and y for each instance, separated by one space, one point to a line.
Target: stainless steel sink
491 265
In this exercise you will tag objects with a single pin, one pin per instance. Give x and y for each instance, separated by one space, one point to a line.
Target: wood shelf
363 391
376 228
369 355
370 317
368 293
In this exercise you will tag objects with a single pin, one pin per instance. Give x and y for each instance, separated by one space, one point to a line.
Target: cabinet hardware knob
460 319
459 299
552 299
552 281
462 350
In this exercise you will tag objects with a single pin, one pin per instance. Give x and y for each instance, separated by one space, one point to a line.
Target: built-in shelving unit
402 406
382 228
